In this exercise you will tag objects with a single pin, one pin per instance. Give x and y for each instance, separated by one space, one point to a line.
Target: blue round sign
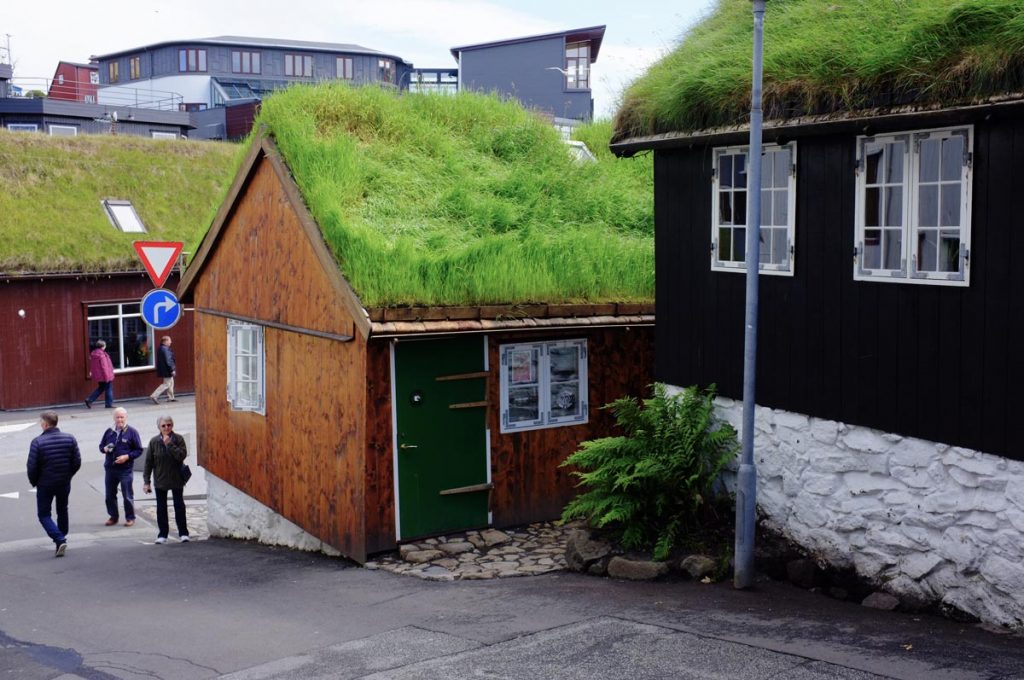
160 309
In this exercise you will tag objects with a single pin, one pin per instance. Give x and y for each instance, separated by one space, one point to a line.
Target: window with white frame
129 340
246 363
63 131
778 209
157 134
22 127
123 216
913 207
543 384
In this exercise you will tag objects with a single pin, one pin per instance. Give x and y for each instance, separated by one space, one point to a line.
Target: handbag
186 473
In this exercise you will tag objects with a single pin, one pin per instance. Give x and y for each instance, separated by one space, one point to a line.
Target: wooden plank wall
380 469
44 357
305 457
939 363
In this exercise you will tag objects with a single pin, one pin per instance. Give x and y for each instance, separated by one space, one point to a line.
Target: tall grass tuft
466 199
822 56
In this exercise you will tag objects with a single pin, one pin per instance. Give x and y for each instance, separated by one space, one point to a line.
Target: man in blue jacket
122 445
53 459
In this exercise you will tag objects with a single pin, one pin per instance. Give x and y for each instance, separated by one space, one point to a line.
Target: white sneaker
185 538
160 539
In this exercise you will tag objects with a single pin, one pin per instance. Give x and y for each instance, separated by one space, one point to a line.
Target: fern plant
657 482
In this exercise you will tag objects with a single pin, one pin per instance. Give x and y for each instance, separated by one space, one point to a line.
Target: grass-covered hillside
463 200
51 219
822 56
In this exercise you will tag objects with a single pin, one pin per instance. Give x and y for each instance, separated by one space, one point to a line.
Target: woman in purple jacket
102 371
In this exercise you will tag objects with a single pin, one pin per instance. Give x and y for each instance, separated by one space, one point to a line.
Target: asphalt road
118 606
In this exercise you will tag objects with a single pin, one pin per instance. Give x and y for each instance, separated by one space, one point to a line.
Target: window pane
927 250
872 162
739 244
202 60
950 207
952 157
564 364
724 207
872 248
929 161
739 169
523 367
766 169
256 62
894 162
893 248
739 207
949 250
236 61
725 244
103 310
138 348
780 213
131 308
181 60
894 207
766 207
872 207
928 206
523 404
781 172
565 399
725 170
780 247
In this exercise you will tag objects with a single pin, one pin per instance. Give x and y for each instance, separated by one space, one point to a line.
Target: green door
440 393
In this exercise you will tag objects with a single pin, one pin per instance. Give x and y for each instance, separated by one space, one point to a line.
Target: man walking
53 459
165 368
122 445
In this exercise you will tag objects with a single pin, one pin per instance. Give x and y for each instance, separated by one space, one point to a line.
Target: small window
543 384
134 68
298 65
913 207
60 79
123 216
386 70
94 77
22 127
191 60
778 208
156 134
246 363
113 72
129 340
345 71
90 99
577 65
63 131
243 61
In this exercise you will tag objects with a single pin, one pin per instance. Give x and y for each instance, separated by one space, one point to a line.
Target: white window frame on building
386 70
107 320
577 65
527 368
245 61
778 209
192 60
913 206
63 130
298 65
123 216
134 68
94 77
246 389
22 127
159 134
345 68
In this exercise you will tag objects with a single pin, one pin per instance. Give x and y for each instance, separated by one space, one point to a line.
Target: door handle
407 446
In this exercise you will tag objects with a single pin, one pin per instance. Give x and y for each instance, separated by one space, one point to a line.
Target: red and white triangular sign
158 257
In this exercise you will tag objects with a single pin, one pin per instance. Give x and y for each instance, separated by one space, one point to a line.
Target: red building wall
76 85
44 355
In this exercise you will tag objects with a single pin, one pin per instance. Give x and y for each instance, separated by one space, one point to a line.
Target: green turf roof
825 56
51 218
464 200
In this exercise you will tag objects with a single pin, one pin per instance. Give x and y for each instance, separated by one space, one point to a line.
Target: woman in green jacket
164 456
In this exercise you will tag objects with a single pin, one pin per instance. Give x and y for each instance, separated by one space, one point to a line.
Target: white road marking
16 427
13 494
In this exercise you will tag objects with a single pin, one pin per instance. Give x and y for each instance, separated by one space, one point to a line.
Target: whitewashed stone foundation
233 514
926 521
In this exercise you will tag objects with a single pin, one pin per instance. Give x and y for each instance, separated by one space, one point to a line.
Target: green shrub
658 482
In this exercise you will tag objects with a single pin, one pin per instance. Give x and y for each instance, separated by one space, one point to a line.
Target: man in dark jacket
122 445
166 369
53 459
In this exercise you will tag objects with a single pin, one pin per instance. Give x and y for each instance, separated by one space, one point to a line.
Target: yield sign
158 257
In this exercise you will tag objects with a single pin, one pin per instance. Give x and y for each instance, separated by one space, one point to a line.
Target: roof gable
595 34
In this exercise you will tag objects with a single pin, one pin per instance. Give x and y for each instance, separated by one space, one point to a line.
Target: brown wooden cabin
383 425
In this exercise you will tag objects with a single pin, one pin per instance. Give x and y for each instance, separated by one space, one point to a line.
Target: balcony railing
94 93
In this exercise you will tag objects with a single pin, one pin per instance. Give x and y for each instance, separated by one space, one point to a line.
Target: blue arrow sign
160 309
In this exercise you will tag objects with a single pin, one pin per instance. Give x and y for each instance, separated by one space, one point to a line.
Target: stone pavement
473 555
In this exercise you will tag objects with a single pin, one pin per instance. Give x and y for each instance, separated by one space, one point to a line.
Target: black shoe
61 549
88 404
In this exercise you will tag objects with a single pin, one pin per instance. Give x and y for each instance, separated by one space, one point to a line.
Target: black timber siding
940 363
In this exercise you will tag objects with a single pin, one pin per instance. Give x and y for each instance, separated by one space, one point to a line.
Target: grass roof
823 56
464 200
50 211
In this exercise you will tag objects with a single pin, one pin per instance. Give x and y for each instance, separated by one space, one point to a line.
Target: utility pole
746 486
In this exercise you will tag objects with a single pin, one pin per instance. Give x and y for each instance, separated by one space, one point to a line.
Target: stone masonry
926 521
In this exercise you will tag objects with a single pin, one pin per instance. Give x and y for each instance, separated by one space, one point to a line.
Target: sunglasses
167 425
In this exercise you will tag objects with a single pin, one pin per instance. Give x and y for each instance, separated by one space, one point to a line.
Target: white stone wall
233 514
926 521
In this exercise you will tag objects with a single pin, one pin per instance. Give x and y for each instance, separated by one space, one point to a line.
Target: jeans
122 478
45 496
179 511
107 390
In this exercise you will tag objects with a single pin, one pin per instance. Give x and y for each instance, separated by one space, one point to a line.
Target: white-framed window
386 70
913 207
778 209
298 65
246 363
123 216
94 77
543 384
63 131
156 134
22 127
345 70
577 65
129 340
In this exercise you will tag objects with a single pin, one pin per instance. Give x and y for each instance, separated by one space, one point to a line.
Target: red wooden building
74 82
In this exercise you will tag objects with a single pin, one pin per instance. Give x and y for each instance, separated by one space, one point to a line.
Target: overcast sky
420 31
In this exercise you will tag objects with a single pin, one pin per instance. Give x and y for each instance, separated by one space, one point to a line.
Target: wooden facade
322 453
44 356
928 361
